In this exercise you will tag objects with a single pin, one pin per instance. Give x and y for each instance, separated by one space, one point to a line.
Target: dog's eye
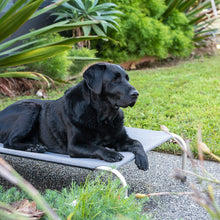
127 77
116 78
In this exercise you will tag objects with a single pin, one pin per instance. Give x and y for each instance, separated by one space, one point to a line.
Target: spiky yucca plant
88 10
200 15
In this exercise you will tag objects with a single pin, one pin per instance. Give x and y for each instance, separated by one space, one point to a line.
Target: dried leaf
204 148
27 209
140 195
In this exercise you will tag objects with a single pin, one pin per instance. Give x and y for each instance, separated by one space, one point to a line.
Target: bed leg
118 174
184 148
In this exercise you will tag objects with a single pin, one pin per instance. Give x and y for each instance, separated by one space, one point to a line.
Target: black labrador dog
86 122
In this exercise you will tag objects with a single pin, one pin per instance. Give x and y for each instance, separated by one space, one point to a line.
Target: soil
154 62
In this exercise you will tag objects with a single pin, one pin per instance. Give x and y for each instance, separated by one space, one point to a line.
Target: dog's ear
94 77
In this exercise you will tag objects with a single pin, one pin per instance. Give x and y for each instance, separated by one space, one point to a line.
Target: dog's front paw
112 156
141 161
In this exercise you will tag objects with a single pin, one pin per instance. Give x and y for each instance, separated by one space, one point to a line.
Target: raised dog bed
150 139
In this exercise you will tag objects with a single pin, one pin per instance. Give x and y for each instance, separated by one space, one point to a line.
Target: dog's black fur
86 122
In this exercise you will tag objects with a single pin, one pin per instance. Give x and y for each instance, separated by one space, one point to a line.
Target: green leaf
112 12
199 38
209 31
11 24
110 25
71 26
48 8
66 42
28 35
29 75
104 26
98 31
86 30
196 19
95 2
170 8
3 3
204 24
12 10
104 6
80 4
20 47
86 58
186 5
67 5
57 27
60 15
195 11
71 41
107 18
33 55
61 81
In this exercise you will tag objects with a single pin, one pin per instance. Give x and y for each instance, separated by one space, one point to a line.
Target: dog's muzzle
133 96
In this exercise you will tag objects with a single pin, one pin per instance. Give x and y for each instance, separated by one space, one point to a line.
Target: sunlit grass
182 98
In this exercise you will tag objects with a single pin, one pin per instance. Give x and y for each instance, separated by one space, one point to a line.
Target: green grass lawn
181 97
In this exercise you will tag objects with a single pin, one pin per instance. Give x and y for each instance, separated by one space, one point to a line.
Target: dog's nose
134 94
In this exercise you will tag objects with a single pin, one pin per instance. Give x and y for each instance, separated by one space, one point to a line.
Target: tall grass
96 199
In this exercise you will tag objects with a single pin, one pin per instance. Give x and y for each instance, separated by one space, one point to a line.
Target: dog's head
111 82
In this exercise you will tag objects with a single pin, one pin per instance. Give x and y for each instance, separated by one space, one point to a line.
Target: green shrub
154 8
146 36
143 32
55 67
182 34
78 65
140 36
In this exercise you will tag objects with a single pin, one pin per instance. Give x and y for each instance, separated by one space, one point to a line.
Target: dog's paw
141 161
37 148
112 156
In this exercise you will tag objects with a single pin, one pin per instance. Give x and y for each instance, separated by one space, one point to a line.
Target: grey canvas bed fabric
149 138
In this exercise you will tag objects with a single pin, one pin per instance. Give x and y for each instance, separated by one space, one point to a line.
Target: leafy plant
159 28
99 198
55 67
16 16
198 13
96 199
80 58
143 34
89 10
